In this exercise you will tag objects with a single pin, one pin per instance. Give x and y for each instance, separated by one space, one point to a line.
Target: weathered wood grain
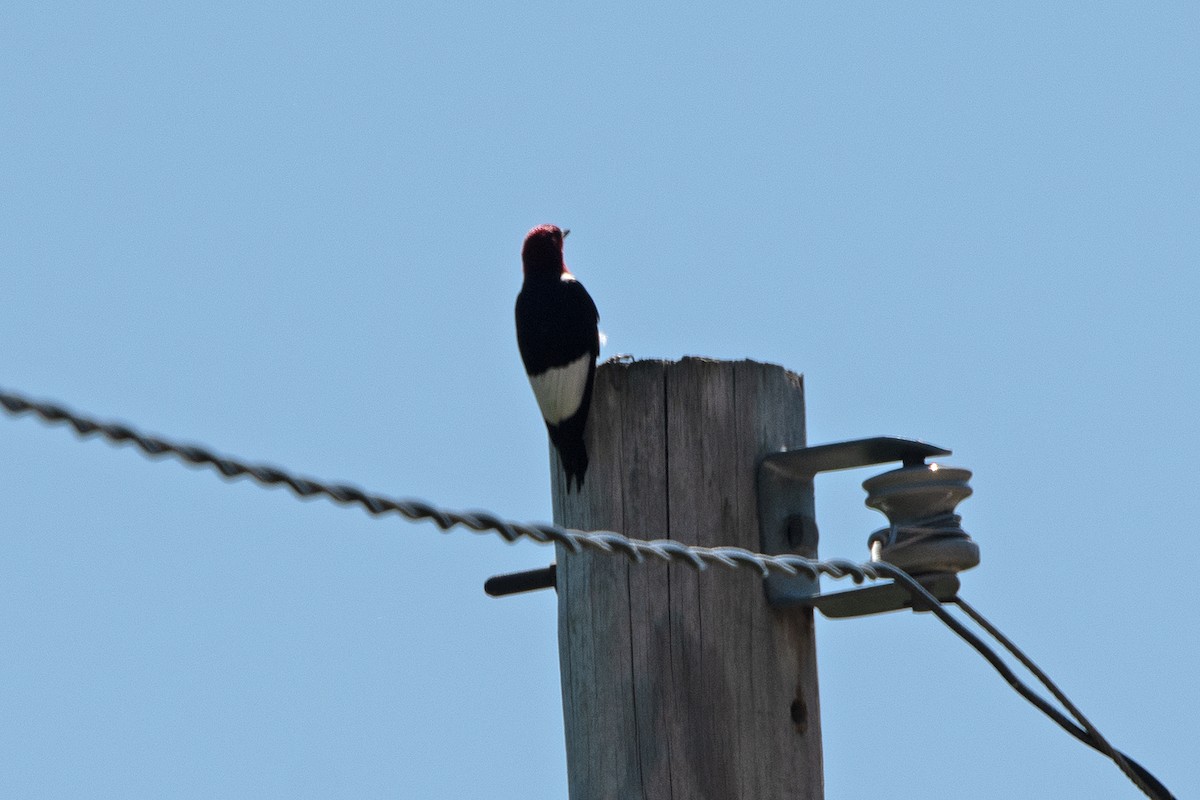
678 684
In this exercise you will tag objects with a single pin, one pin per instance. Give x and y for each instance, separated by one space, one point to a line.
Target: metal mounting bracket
788 521
881 597
528 581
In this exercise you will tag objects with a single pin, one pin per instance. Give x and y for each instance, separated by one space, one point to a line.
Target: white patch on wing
559 390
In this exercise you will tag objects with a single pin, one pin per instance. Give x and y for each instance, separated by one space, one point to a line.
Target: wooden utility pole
676 683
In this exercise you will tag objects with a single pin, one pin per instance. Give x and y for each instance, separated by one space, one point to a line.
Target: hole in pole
799 713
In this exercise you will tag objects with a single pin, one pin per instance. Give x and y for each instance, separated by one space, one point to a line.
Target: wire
924 601
416 510
1144 780
609 542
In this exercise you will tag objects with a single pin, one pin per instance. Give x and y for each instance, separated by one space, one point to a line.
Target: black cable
924 601
1159 790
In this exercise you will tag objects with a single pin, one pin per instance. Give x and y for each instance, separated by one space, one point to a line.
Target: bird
559 340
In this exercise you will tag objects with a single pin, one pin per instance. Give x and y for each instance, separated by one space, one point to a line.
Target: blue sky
293 233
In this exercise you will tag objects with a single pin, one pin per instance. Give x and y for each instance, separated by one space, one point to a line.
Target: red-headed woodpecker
559 343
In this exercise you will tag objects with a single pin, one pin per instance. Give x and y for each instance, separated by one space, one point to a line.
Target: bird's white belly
559 390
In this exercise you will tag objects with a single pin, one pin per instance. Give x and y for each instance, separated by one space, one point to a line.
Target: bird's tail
575 465
572 452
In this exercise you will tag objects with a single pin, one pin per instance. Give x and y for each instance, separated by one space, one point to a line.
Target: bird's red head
542 254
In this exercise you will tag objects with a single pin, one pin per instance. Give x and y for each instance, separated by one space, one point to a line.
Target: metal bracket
788 521
881 597
527 581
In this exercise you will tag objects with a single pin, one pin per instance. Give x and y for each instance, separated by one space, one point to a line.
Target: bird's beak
566 232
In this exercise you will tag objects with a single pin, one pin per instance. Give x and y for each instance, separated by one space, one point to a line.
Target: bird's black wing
556 324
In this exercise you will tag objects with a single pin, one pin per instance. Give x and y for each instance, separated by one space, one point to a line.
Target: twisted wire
608 542
417 511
